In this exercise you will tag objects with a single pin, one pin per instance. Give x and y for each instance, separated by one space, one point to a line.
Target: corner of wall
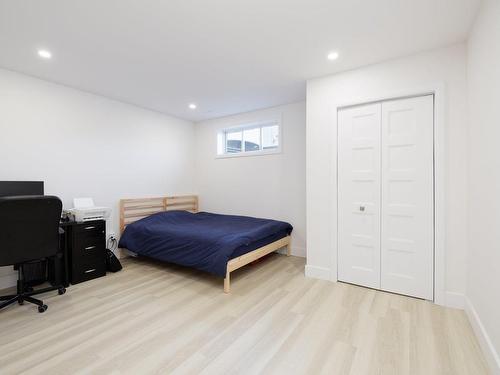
455 300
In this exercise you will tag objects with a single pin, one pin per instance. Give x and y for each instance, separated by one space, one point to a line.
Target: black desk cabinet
86 250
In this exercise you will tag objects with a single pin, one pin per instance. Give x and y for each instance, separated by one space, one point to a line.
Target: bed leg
289 247
227 283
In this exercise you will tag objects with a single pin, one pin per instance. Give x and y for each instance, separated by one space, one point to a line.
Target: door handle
362 208
90 248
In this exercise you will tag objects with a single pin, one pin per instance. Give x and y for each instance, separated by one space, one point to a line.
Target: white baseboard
489 351
455 300
316 272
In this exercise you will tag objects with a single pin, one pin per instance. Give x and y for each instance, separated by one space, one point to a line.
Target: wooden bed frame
135 209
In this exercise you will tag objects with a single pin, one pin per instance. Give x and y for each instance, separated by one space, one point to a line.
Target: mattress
203 240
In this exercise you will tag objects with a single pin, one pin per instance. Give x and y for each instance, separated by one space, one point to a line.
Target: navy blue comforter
203 240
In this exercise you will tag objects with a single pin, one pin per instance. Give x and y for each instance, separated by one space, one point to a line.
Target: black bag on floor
112 262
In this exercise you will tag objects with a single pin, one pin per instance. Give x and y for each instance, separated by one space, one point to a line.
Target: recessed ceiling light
192 106
332 56
43 53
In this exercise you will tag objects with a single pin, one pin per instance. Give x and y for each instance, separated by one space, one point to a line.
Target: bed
171 229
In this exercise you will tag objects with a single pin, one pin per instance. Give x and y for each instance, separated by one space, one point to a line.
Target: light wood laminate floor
156 318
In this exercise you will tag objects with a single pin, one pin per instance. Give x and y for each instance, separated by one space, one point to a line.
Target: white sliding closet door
407 235
359 195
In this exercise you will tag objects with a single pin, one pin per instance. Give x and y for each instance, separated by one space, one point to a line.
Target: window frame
222 137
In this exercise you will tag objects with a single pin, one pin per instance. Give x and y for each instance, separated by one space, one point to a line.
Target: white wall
85 145
270 186
483 276
446 66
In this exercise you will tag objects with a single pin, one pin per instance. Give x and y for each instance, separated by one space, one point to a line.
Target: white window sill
248 153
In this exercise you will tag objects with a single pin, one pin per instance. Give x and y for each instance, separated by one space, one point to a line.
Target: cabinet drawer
85 245
93 253
89 229
88 270
88 274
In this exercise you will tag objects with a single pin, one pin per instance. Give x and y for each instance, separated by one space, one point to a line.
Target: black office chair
29 231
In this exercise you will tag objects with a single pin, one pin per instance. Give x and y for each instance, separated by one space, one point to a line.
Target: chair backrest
29 228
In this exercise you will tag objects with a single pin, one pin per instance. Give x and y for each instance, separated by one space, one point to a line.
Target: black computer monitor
10 188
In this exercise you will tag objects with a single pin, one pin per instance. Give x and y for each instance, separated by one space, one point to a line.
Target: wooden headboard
135 209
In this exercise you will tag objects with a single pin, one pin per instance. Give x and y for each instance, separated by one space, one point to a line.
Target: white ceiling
228 56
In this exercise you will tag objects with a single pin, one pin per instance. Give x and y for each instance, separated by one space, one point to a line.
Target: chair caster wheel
61 291
42 309
20 301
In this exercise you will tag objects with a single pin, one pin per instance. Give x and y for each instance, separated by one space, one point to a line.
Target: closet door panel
407 231
359 195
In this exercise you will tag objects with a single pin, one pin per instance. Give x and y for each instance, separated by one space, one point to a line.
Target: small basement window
250 139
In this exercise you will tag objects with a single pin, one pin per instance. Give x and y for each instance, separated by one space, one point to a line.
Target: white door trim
439 92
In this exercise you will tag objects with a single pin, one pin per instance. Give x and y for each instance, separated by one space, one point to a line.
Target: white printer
85 210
